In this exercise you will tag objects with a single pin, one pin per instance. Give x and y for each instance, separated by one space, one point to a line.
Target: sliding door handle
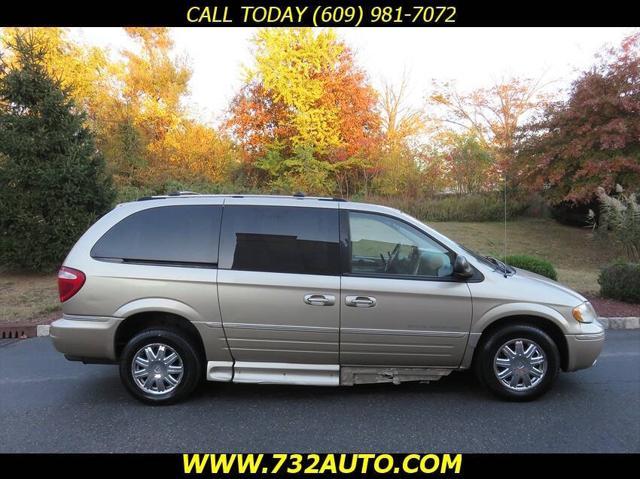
360 301
320 299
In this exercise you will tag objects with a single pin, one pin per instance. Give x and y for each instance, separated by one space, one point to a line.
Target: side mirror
462 268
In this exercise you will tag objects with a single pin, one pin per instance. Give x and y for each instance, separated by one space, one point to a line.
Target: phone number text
324 15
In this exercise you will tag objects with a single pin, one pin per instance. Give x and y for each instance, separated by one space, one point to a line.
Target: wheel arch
141 321
544 323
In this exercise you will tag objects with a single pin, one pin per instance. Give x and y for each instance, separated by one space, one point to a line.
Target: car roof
298 199
190 194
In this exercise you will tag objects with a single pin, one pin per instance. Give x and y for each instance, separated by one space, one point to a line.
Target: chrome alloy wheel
157 368
520 364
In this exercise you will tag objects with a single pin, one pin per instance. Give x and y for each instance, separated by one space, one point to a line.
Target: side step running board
316 374
274 373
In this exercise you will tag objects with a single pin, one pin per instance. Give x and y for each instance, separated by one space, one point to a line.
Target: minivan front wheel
160 366
518 362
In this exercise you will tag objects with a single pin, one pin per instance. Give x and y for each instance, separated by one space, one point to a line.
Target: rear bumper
585 348
87 337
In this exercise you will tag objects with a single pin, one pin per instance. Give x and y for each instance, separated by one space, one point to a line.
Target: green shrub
53 184
621 281
533 264
472 207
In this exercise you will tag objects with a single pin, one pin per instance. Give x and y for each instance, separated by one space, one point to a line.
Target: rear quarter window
164 235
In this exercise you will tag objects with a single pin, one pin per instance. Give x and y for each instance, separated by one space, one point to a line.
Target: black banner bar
161 466
336 13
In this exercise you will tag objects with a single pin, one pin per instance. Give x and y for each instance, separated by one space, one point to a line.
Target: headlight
584 313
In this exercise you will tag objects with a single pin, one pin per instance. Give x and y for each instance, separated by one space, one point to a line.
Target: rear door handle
320 299
360 301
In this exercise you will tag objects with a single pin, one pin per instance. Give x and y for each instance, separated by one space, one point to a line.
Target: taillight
69 282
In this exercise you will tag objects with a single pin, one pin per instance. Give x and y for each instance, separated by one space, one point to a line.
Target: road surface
49 404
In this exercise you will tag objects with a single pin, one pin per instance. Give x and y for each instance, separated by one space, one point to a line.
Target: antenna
505 223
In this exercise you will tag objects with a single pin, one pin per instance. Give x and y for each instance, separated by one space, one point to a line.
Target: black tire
486 355
188 358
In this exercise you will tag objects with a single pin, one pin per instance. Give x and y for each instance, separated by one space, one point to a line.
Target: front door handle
320 299
360 301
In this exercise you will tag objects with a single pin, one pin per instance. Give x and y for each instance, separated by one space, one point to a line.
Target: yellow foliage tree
290 63
407 167
200 151
135 107
85 72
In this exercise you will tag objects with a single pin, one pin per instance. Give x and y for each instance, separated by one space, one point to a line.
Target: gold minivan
302 290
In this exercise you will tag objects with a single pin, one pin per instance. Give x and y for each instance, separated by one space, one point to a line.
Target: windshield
478 256
489 261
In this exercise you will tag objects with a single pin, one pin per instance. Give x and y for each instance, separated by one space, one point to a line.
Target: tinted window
169 234
383 245
280 239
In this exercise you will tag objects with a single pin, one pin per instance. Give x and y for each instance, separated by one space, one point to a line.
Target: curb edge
631 322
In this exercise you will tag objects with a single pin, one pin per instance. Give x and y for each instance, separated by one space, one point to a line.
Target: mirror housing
462 268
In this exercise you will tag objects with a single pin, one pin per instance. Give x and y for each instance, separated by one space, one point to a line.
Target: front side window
280 239
384 245
185 234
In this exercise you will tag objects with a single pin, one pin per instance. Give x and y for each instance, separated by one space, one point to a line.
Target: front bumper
85 337
584 348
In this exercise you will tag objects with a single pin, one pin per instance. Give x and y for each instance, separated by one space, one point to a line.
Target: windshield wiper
501 265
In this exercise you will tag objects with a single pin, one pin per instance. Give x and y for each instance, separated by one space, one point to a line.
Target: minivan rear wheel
518 362
160 366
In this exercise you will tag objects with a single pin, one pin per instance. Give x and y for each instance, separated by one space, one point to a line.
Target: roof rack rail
147 198
330 199
177 194
182 193
301 195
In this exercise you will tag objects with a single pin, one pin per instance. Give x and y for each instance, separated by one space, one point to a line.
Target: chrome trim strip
590 337
404 332
397 345
213 324
271 350
280 327
394 353
291 341
73 317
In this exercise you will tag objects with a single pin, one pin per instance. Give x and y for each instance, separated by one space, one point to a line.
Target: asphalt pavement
48 404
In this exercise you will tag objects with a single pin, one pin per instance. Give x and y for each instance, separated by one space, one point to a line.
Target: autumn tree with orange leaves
172 146
592 139
306 119
134 107
408 166
491 115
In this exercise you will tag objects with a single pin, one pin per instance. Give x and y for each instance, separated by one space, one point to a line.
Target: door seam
224 331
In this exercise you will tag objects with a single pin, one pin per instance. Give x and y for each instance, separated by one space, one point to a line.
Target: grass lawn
28 298
574 253
576 256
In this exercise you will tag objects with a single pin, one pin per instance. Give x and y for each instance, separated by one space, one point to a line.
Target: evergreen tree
53 184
